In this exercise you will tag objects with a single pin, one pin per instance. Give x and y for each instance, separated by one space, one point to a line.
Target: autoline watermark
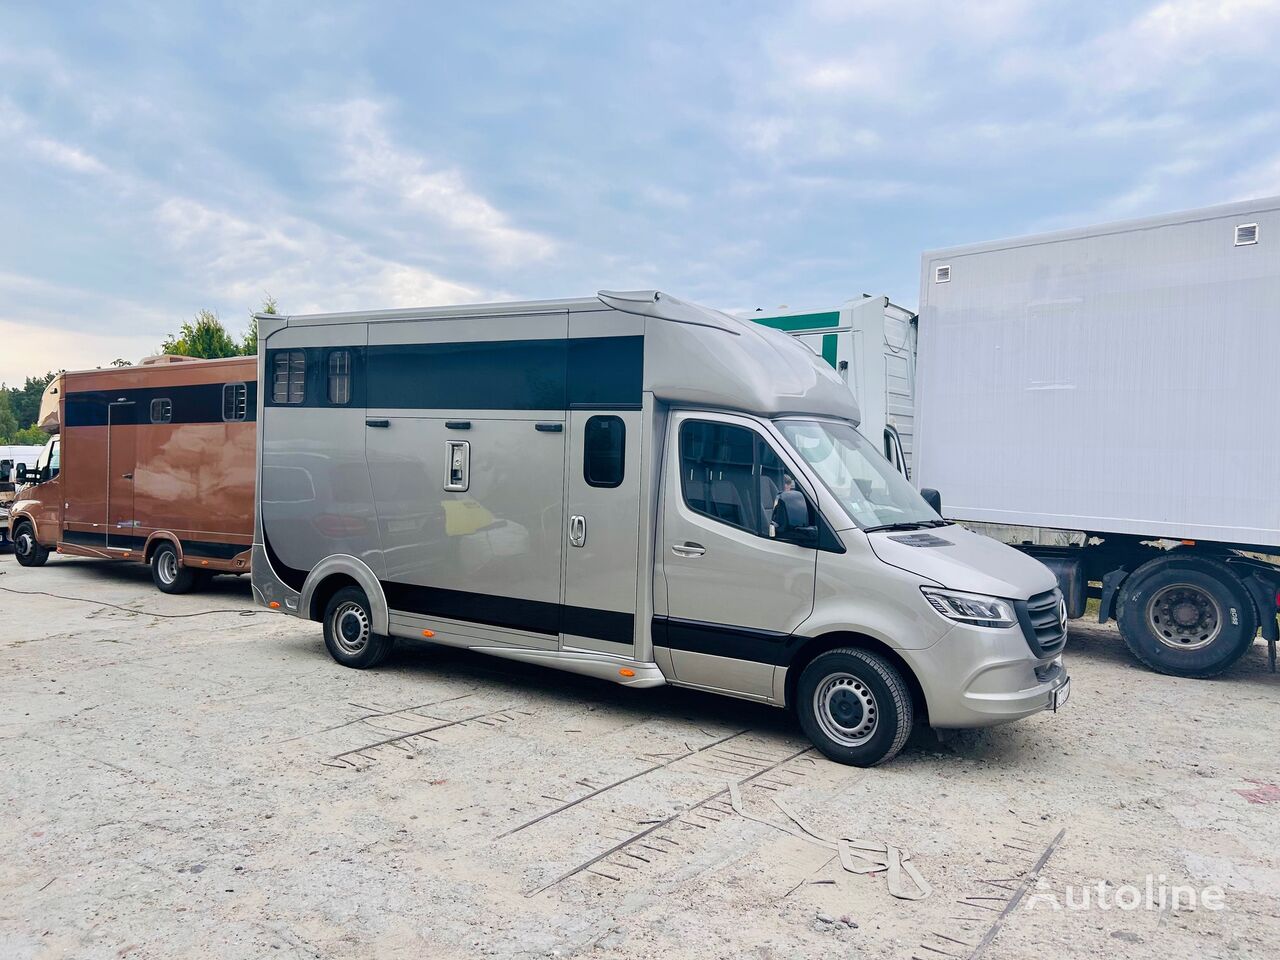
1157 893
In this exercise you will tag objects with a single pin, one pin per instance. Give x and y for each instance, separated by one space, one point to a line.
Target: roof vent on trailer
1246 233
942 274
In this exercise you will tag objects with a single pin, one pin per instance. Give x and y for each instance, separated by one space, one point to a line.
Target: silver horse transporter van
639 489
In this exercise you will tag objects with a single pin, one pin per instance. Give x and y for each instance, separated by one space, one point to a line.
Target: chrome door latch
457 471
577 531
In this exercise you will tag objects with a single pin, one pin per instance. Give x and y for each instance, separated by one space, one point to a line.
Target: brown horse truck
153 463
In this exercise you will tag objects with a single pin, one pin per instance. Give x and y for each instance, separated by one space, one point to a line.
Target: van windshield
874 494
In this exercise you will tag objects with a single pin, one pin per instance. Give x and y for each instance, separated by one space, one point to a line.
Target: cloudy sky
159 158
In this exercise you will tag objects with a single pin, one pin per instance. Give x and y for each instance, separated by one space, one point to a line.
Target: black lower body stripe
532 616
197 549
722 640
87 538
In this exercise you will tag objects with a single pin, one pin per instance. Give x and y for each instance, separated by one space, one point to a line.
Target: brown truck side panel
127 484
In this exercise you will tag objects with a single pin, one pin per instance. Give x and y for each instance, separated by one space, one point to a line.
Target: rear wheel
348 631
168 573
854 706
1187 616
26 548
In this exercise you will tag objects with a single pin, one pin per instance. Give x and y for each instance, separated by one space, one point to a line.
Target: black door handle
549 427
377 423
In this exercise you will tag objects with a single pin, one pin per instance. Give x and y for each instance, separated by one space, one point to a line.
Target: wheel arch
331 575
816 646
153 544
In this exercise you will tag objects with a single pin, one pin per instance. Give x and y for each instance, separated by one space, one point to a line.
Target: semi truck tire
348 631
854 706
1186 616
168 573
26 548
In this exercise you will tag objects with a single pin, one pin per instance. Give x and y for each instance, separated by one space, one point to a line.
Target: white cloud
42 328
410 183
17 128
1162 48
310 268
227 256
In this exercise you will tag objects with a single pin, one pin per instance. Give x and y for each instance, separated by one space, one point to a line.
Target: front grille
1043 623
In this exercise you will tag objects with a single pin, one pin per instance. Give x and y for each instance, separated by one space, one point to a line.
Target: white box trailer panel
1115 379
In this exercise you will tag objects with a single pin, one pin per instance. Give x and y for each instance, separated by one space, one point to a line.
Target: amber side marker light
627 672
274 604
428 633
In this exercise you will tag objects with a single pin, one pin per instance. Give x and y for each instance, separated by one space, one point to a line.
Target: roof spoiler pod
661 306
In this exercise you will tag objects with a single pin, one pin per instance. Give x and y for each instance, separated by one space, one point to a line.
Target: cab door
122 460
734 593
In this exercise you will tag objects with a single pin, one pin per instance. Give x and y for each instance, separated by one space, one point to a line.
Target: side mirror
20 474
4 473
933 498
791 519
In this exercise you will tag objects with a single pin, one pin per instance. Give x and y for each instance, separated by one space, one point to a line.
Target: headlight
971 608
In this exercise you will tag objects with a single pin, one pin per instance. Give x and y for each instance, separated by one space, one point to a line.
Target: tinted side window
235 401
717 472
731 474
604 448
161 410
339 380
288 376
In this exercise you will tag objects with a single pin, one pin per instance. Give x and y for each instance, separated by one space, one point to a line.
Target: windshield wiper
908 525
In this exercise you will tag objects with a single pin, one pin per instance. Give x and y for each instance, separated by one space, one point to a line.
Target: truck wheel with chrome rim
27 548
167 571
1186 616
854 706
348 631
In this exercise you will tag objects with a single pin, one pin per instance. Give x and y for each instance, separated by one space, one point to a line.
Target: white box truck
1117 382
871 344
639 489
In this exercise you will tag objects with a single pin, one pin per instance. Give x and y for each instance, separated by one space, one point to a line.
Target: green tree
24 401
31 436
8 422
205 337
121 362
250 346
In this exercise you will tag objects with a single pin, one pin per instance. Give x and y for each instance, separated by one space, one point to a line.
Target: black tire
862 694
26 548
1186 616
348 631
168 573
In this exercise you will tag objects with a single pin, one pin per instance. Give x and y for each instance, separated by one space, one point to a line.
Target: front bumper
979 677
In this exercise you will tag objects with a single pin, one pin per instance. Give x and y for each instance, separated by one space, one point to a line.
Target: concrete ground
210 784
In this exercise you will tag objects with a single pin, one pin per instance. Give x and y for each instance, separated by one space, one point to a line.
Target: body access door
122 460
734 593
465 439
604 393
603 537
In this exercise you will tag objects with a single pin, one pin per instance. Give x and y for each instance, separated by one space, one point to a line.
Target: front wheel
854 706
27 548
348 631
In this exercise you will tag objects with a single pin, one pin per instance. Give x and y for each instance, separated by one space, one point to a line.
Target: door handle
578 531
126 476
688 549
377 423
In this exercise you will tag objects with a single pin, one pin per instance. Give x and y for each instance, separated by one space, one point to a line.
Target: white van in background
11 456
